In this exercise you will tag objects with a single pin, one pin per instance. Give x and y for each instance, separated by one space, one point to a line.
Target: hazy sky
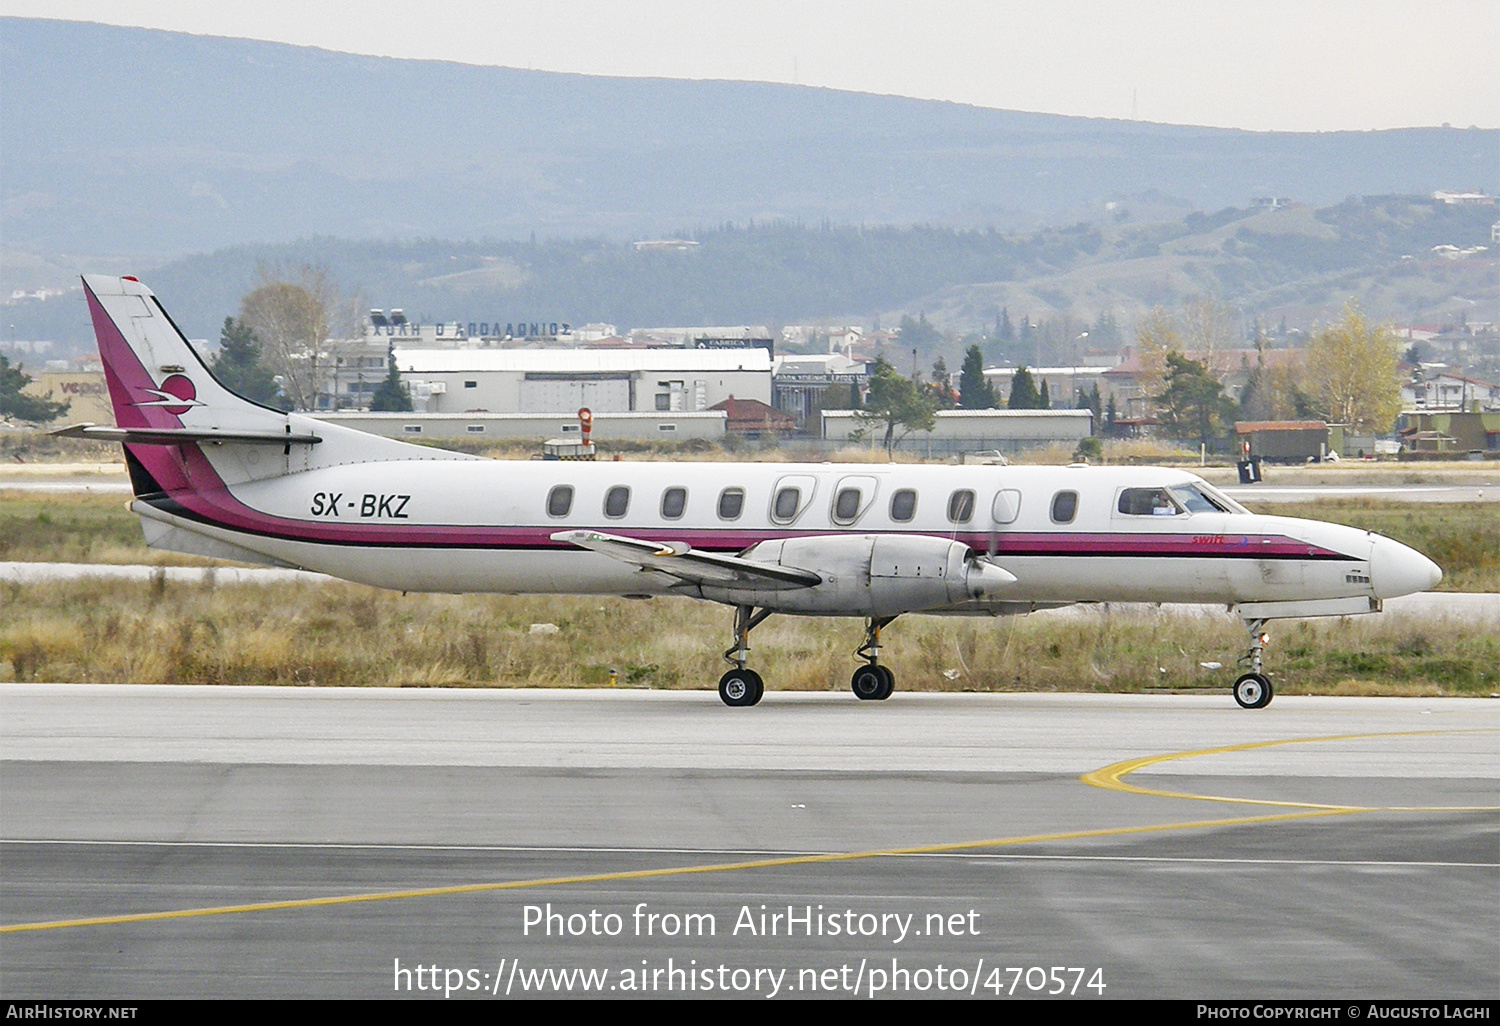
1303 65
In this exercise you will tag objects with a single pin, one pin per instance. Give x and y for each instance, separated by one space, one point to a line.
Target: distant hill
133 141
1297 262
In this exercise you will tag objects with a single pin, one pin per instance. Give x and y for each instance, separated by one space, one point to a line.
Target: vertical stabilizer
156 379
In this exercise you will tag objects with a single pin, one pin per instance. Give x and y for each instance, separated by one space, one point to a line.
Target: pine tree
20 405
392 396
1045 401
238 366
1023 393
975 392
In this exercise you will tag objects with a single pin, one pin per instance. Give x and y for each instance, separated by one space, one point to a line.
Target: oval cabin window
903 506
616 502
673 502
731 503
1064 507
961 506
846 505
560 501
785 508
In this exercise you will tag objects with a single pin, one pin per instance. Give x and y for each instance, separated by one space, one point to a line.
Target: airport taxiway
299 842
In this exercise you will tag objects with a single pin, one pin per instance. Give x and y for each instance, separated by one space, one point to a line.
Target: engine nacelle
868 575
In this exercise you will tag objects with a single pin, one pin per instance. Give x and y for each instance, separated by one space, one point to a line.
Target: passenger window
1146 502
903 506
1064 507
1007 506
846 505
731 503
784 510
616 502
961 506
673 502
560 501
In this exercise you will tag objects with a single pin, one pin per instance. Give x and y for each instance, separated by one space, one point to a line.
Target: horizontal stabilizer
682 561
183 436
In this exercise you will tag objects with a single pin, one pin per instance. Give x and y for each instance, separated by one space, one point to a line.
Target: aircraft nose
1396 569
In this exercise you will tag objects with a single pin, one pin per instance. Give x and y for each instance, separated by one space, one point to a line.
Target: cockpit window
1196 500
1147 502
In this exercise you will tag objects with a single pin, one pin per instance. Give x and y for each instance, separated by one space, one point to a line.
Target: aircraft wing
682 561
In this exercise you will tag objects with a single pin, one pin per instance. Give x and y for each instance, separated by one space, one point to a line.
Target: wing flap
686 563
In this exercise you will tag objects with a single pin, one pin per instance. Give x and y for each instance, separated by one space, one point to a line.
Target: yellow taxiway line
1112 777
1109 777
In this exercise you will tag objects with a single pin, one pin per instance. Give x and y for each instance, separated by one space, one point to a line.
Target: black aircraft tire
741 688
869 683
1253 691
889 684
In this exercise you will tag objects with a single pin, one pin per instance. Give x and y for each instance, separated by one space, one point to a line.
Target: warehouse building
498 427
551 381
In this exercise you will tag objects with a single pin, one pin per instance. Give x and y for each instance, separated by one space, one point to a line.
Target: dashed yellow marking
1109 777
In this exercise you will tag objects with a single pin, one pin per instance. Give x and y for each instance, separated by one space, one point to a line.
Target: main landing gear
742 686
872 682
1253 690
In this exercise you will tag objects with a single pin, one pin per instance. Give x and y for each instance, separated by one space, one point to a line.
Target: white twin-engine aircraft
217 475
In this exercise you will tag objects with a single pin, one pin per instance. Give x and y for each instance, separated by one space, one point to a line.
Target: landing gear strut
872 682
1253 690
742 686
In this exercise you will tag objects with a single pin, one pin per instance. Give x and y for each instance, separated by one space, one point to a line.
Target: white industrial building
480 427
561 381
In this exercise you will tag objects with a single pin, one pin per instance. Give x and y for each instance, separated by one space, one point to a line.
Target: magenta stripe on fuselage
198 489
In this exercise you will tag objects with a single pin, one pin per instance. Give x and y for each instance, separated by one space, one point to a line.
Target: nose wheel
1253 690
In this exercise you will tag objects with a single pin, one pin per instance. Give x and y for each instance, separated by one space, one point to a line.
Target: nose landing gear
1253 690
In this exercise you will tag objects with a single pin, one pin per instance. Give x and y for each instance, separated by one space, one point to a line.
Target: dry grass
342 634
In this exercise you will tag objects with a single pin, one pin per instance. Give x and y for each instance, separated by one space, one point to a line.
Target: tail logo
176 395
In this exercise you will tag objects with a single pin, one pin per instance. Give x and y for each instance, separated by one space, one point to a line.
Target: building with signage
84 391
801 384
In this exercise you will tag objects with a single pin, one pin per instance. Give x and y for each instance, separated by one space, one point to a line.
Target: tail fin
167 402
157 381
